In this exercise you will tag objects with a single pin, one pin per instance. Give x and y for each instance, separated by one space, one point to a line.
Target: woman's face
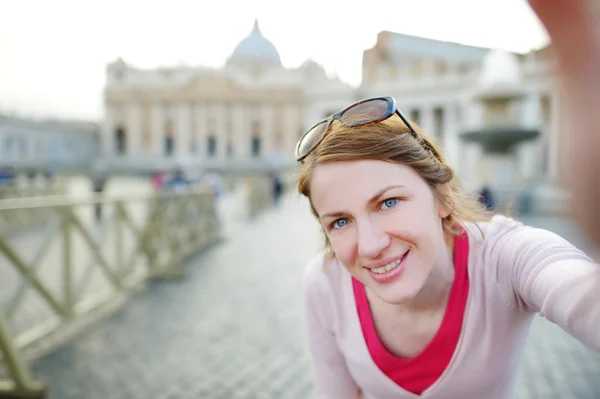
383 222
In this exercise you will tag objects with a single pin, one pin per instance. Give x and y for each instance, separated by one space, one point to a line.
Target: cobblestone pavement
233 328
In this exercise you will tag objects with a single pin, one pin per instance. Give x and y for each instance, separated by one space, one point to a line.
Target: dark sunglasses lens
366 112
311 138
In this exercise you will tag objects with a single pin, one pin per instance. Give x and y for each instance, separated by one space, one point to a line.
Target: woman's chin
397 293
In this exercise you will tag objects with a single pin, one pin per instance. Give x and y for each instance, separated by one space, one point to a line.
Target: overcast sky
53 52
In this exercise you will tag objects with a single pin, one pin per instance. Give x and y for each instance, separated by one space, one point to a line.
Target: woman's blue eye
389 203
338 224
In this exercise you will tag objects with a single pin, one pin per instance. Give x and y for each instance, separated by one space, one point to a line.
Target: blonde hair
392 141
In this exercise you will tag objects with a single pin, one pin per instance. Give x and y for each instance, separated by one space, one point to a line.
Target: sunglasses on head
363 112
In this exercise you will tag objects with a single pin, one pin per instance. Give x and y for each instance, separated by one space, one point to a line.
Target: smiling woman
418 289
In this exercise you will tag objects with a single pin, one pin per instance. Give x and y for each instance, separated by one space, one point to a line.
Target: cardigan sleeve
332 380
549 275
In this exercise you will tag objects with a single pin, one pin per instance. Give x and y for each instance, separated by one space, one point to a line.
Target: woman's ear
445 203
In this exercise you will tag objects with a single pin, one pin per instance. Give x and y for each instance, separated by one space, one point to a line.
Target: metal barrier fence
19 220
107 247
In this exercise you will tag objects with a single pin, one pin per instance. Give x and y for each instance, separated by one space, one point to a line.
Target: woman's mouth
389 272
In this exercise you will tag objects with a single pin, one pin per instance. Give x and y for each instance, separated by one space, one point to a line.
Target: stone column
201 130
254 128
240 137
531 111
472 154
221 131
528 160
134 129
183 129
474 115
428 121
157 127
451 146
528 153
291 125
267 130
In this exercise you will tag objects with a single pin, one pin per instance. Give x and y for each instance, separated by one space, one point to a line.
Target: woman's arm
573 27
332 380
552 277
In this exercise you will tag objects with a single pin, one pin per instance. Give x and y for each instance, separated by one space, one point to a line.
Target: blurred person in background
178 183
573 27
158 181
419 290
214 180
7 176
277 187
486 198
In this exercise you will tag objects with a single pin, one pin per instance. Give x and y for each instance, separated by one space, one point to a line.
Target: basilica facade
250 112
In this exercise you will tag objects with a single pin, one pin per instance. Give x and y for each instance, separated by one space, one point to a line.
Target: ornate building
249 113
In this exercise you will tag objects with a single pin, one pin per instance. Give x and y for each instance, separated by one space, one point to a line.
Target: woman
419 292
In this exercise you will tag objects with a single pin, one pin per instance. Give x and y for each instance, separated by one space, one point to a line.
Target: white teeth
386 268
389 266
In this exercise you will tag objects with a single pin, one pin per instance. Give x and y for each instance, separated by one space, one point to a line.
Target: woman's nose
372 240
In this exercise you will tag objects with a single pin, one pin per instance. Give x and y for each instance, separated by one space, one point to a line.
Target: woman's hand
574 30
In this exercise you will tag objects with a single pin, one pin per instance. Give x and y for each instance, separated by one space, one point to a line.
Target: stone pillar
267 130
291 125
134 128
254 128
183 129
528 161
528 153
531 111
157 127
472 155
221 131
235 137
200 132
474 115
427 121
451 146
240 128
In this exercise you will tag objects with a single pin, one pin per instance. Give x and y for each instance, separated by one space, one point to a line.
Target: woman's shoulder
506 236
500 226
488 237
497 225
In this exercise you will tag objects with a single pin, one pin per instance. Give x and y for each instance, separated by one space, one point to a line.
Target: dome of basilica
255 48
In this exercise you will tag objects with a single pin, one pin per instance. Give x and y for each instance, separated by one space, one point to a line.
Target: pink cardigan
514 272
